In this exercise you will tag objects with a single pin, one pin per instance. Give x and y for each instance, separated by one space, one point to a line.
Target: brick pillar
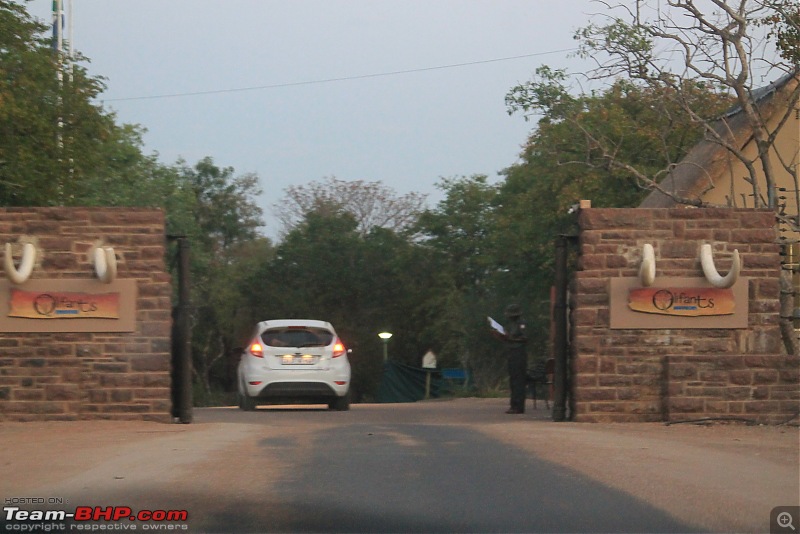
91 375
678 373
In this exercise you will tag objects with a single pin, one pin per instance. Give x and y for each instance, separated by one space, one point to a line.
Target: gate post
560 346
185 338
182 337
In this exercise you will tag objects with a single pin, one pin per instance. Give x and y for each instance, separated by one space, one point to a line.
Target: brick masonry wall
68 376
625 375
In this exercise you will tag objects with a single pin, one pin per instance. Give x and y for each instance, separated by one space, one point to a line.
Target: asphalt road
390 471
446 466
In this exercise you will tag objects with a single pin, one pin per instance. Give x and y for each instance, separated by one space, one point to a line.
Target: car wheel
340 404
246 402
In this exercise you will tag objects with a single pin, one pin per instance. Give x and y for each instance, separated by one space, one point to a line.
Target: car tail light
255 383
338 348
256 349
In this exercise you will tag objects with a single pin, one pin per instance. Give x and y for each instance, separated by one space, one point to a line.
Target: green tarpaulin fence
404 383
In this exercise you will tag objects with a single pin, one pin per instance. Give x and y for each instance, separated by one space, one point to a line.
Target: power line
341 79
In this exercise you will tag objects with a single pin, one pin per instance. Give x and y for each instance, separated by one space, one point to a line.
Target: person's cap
513 310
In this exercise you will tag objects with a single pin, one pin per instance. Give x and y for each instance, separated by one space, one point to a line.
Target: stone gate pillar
672 351
73 345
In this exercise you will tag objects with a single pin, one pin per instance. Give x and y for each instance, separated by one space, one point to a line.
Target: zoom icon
784 519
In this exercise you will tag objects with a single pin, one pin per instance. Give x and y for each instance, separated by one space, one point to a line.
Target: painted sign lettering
682 301
63 305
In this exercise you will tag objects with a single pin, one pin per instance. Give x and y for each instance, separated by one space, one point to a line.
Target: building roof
708 160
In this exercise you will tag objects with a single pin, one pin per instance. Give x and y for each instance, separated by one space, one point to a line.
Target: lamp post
385 337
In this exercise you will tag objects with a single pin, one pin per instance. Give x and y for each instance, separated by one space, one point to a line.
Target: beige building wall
732 189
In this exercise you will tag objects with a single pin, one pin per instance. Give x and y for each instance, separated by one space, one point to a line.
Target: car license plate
298 359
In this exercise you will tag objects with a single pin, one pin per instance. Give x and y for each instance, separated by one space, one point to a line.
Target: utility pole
58 48
63 60
58 26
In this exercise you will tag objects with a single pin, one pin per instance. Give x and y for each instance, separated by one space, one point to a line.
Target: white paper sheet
496 326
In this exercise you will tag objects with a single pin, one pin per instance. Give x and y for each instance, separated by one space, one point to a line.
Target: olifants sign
100 304
710 301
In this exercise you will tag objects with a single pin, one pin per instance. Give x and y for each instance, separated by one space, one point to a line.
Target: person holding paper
516 340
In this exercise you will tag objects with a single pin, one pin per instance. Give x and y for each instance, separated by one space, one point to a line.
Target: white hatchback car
291 361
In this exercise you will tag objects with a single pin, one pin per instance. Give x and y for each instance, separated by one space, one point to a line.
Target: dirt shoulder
36 454
721 478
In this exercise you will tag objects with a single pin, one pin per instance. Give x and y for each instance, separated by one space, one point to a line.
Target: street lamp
385 337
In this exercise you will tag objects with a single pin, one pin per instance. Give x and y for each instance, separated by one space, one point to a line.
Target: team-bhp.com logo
93 518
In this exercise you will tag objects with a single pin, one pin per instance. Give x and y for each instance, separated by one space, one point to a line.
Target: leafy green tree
58 147
578 135
461 228
461 231
695 60
566 160
408 280
722 47
51 131
225 244
225 210
318 273
221 320
126 176
326 268
783 22
217 211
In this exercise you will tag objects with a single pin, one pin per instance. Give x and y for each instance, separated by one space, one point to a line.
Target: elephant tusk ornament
105 264
647 270
710 270
21 275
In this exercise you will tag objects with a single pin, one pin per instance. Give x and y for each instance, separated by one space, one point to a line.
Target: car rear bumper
295 389
294 383
298 393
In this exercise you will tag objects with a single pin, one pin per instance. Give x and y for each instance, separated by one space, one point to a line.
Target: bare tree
372 204
732 47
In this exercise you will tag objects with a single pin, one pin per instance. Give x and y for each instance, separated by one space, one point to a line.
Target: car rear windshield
295 336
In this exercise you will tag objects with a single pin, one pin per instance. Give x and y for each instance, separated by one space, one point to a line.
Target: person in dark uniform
516 340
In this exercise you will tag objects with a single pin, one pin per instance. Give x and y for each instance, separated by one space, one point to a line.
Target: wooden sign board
68 305
677 303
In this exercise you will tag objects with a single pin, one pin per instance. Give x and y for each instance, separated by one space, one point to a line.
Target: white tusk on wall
647 270
21 275
710 270
105 264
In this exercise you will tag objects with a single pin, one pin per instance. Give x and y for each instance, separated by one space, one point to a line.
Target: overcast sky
406 130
